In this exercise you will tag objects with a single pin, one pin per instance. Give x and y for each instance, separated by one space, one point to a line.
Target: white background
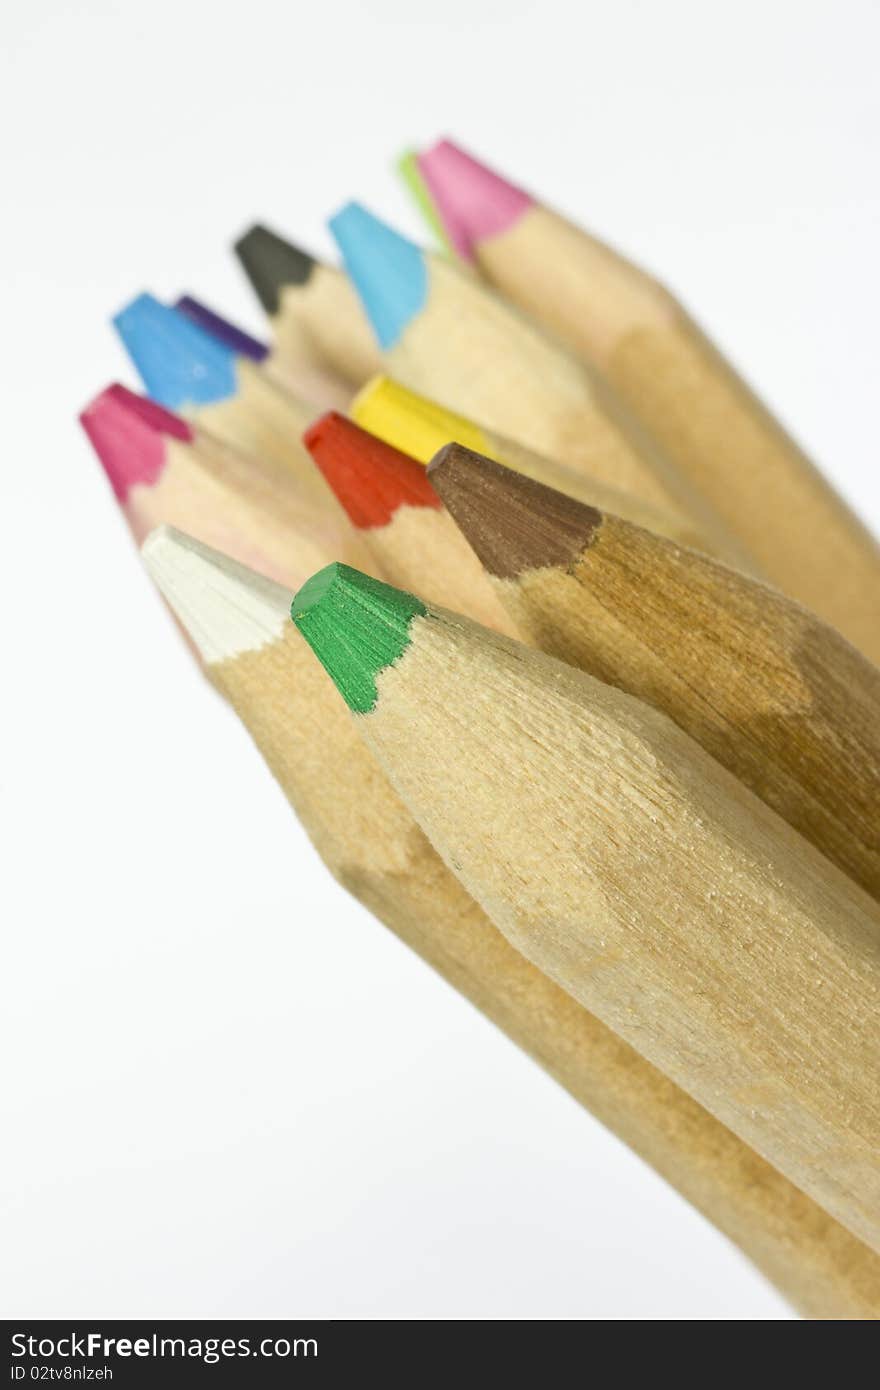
228 1091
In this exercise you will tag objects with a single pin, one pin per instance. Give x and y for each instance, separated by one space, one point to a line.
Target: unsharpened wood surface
372 846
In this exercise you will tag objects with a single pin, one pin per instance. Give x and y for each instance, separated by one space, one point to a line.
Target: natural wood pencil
315 314
634 870
306 381
371 844
163 469
775 694
802 535
390 502
444 333
419 427
194 374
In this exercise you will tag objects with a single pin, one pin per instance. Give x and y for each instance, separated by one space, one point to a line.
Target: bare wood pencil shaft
644 878
373 847
776 695
323 320
706 420
371 844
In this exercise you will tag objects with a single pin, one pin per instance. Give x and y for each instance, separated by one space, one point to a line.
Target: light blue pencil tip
387 270
179 363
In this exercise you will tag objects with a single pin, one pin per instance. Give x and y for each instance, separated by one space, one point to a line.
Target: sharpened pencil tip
220 328
513 523
387 270
356 626
412 422
179 363
472 201
126 431
226 608
369 477
271 263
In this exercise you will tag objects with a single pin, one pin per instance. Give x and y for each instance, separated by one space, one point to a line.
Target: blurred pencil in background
315 314
162 468
444 334
307 381
801 534
225 391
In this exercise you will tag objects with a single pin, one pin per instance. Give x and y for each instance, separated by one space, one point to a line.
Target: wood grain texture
720 437
653 886
776 695
371 844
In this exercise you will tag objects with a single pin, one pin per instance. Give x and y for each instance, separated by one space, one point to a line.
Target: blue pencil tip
387 270
179 364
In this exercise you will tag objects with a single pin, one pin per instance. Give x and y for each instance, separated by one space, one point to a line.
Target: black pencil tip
270 263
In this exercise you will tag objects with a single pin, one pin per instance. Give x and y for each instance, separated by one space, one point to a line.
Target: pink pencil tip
127 433
472 201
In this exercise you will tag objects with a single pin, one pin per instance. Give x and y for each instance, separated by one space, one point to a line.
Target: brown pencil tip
513 523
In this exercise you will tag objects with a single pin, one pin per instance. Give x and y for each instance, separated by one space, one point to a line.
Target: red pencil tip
126 431
370 478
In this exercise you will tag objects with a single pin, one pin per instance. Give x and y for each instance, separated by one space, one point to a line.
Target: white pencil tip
225 607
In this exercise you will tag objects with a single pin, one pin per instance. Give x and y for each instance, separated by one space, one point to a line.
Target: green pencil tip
356 626
408 168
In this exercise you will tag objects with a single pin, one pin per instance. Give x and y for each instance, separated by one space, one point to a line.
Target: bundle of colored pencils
586 711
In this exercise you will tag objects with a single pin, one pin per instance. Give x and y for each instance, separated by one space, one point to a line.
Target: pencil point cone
411 422
239 342
472 201
179 363
270 263
356 626
226 608
386 269
126 431
512 523
370 478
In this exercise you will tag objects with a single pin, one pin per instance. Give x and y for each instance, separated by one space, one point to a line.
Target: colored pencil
315 314
164 469
802 535
443 333
369 841
419 427
307 381
632 868
194 374
772 692
389 500
411 175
